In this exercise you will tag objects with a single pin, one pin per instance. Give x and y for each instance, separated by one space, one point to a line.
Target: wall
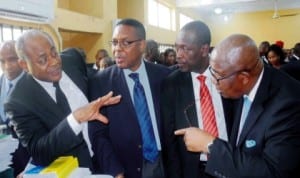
89 31
89 28
260 26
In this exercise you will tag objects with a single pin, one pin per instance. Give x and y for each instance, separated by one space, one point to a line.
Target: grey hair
27 36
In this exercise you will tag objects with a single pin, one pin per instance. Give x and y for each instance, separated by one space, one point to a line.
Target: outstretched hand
91 111
195 139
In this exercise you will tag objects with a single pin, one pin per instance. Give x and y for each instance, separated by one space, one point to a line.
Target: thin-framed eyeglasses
123 43
215 74
187 111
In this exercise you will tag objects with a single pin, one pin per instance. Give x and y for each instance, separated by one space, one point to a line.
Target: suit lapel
188 98
236 123
264 93
122 88
42 102
155 90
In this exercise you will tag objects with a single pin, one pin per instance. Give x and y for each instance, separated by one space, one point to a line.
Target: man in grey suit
48 107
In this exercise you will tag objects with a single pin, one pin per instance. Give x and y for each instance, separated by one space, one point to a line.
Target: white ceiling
206 7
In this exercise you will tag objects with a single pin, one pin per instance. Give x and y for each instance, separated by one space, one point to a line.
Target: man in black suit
293 67
119 147
296 53
265 140
181 102
12 72
48 107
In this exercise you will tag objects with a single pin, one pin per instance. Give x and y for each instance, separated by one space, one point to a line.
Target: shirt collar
139 70
255 88
14 81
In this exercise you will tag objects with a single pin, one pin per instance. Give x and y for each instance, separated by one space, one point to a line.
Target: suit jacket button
140 146
139 169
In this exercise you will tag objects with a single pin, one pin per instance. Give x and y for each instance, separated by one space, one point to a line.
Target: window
183 19
8 32
160 15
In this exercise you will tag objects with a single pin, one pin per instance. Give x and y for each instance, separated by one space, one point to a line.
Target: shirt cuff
76 127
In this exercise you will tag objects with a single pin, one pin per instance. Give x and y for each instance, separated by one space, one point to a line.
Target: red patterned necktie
207 109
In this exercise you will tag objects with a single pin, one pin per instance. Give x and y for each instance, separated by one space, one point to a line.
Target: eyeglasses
123 43
215 74
187 112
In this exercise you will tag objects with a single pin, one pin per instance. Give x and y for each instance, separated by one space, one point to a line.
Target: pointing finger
180 132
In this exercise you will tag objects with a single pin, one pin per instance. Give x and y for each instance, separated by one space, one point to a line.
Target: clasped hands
91 112
196 140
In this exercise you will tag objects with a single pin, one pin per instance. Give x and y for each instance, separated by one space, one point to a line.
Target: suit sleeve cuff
76 127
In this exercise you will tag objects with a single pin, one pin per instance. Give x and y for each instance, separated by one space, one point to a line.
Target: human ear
23 64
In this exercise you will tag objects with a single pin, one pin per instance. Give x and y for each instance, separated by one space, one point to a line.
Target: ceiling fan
276 14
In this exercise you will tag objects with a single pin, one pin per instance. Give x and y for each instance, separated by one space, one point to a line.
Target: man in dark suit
48 107
181 102
266 130
293 67
296 53
12 72
119 146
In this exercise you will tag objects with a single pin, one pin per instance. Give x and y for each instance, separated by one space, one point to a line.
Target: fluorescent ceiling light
218 10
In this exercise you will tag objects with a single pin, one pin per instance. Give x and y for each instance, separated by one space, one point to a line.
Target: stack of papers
62 167
7 146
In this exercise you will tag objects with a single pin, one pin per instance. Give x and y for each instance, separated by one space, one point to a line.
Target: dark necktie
10 85
150 151
61 99
207 109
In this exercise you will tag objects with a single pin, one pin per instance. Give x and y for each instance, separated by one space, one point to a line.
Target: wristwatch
209 145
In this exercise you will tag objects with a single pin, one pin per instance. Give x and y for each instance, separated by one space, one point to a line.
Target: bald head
9 60
236 52
235 65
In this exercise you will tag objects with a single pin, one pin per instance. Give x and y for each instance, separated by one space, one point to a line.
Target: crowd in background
192 111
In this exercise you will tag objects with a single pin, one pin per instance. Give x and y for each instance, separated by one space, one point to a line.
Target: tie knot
201 78
135 77
56 84
10 85
247 101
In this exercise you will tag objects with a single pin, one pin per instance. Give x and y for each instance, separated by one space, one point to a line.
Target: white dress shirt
217 104
145 82
76 99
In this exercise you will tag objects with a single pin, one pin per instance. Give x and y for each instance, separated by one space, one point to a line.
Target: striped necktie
150 151
207 109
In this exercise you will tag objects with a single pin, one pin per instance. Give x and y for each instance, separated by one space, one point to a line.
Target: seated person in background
101 53
106 62
263 51
170 57
276 56
48 106
151 51
293 67
296 53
